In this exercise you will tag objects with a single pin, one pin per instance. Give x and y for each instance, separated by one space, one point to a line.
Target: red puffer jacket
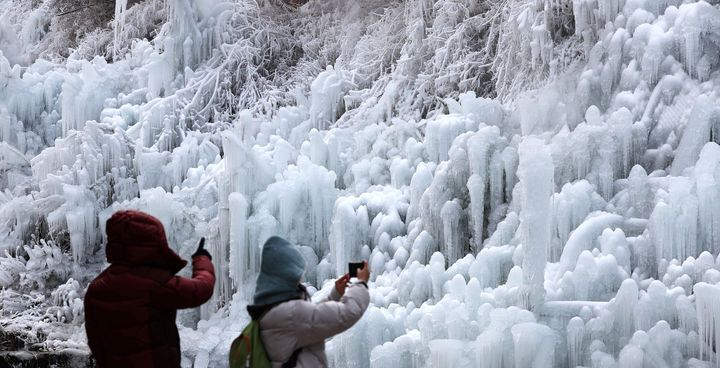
130 307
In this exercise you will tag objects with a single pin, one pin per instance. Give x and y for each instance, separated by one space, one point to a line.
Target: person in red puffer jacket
130 307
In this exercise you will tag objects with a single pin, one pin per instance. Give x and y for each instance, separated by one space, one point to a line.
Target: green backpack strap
247 350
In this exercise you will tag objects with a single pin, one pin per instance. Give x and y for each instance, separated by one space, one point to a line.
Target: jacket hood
281 270
136 239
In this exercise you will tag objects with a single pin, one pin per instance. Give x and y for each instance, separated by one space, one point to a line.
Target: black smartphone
353 267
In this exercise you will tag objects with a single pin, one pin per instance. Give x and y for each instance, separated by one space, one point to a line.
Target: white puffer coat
301 324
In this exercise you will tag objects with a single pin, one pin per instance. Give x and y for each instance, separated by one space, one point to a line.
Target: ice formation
534 183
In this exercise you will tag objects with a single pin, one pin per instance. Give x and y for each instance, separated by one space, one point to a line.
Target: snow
533 183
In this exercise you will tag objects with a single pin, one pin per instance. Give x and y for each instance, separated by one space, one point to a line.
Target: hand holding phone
341 284
353 267
361 270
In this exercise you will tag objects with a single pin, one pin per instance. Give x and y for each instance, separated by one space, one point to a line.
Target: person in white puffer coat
292 327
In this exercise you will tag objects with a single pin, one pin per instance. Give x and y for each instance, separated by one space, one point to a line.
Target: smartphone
353 267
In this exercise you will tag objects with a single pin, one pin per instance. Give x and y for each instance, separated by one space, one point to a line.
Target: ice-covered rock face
533 183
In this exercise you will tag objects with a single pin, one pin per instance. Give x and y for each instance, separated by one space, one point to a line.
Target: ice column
536 179
78 213
624 304
489 166
445 353
451 214
708 195
346 235
476 188
247 172
608 9
221 246
674 223
244 256
327 92
584 15
118 23
575 334
707 306
639 192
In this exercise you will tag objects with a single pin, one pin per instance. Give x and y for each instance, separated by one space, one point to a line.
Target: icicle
118 25
584 16
344 238
421 180
510 162
639 192
708 195
674 224
575 335
608 9
422 248
451 215
476 188
446 353
605 173
486 169
495 182
327 92
244 256
439 136
693 49
492 265
708 314
81 219
624 304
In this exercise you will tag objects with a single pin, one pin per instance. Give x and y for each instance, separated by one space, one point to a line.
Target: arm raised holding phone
359 270
294 328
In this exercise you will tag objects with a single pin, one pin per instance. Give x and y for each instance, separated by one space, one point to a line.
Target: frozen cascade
397 132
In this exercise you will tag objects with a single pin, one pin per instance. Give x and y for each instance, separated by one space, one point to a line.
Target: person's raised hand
363 274
201 251
341 283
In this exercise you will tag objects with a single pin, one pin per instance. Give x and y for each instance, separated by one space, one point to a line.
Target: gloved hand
201 250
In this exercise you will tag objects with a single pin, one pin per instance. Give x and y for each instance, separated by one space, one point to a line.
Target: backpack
248 351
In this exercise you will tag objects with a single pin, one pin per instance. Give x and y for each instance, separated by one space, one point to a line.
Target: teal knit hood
281 269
